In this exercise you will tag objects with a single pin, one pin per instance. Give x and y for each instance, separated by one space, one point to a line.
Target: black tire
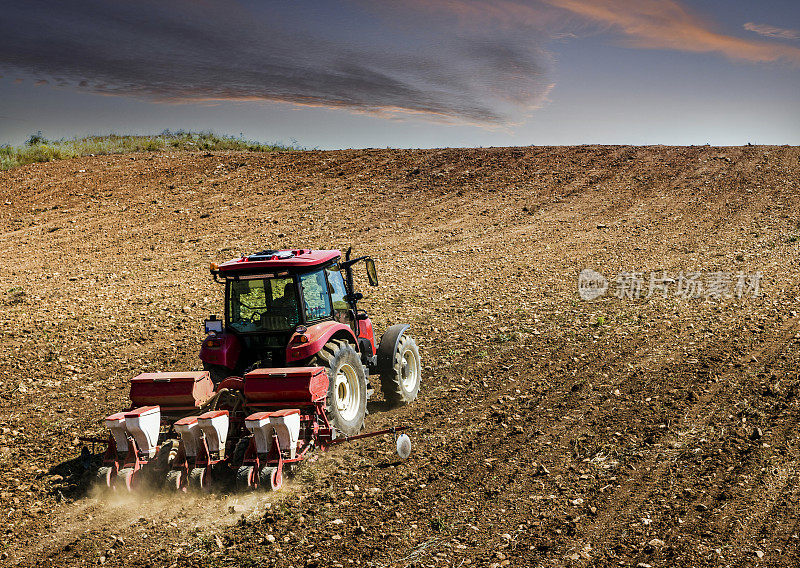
267 479
217 372
400 384
347 398
244 478
125 480
105 477
174 480
198 479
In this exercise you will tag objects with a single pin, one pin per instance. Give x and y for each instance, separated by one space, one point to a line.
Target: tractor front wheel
400 383
347 386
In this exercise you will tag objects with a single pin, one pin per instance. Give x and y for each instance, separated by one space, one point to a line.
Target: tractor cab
277 301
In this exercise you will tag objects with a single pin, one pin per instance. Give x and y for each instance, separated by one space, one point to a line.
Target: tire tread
390 379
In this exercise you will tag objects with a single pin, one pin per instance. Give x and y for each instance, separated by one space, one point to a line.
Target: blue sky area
410 74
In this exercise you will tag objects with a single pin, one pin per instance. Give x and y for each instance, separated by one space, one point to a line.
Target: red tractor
299 308
285 372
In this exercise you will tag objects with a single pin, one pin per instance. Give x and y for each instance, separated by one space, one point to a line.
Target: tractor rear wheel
347 386
400 384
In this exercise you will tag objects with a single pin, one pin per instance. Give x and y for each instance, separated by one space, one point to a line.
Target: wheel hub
346 392
409 371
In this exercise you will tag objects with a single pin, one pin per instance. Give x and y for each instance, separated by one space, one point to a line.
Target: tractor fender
221 349
365 332
318 335
388 346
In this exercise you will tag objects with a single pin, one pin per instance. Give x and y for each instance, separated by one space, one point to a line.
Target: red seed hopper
288 384
177 391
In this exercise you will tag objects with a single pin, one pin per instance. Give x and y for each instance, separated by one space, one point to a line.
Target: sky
414 74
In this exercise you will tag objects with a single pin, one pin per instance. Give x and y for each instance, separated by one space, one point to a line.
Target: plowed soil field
656 425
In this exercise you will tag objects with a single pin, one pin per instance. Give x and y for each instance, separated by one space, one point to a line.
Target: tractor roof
280 259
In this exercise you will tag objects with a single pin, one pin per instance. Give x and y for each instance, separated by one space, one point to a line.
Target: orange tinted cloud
666 24
772 31
648 24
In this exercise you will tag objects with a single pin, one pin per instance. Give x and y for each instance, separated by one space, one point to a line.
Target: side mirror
213 325
372 274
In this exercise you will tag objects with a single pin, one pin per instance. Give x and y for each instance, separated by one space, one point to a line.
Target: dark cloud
213 50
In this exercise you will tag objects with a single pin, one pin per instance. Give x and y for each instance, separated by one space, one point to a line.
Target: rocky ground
652 429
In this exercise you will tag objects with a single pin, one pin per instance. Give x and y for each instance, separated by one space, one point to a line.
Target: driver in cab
289 298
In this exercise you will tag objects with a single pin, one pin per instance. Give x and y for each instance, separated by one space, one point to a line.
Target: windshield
263 304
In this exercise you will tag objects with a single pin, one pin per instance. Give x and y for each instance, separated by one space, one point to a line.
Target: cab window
341 309
338 291
262 304
316 298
